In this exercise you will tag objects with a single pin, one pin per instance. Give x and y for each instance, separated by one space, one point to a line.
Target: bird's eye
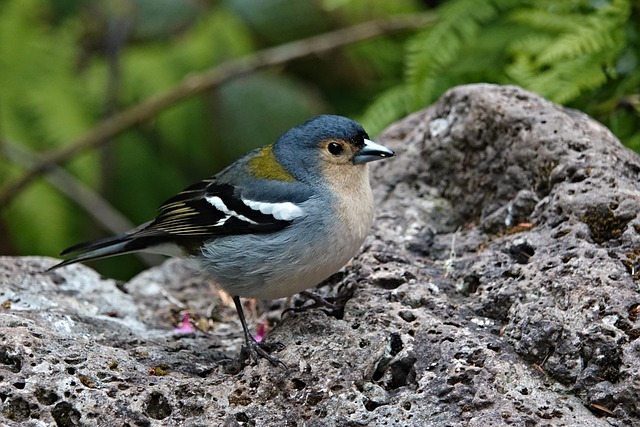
335 148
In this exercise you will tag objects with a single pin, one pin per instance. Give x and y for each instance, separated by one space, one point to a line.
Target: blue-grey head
307 151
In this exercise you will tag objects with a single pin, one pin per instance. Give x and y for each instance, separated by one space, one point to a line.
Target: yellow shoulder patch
265 166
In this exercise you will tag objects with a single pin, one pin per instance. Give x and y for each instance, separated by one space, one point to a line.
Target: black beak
371 152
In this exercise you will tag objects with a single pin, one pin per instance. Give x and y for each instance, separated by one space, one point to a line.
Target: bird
279 220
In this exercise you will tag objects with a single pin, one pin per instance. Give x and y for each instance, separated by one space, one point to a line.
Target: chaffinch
276 222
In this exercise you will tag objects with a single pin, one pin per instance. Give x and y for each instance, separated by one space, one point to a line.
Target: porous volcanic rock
499 286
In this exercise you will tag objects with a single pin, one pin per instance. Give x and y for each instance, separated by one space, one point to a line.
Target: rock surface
499 286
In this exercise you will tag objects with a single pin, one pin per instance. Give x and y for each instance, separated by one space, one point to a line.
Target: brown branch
103 212
108 217
195 84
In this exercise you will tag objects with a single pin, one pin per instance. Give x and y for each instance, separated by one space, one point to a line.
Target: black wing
209 209
198 213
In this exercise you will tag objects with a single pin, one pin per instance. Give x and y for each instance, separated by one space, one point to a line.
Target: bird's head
327 144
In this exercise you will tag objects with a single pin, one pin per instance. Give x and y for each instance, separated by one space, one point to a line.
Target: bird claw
254 348
258 350
331 306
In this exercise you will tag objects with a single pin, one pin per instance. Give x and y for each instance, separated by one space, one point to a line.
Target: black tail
132 241
103 248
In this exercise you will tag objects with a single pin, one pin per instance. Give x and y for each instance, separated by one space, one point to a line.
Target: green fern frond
387 108
595 37
559 49
583 42
564 81
358 10
574 31
434 48
45 104
562 62
459 23
530 45
521 69
543 19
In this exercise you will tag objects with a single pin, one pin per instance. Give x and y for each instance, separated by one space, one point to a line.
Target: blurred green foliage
66 65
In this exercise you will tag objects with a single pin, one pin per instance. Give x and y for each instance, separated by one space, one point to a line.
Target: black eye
335 148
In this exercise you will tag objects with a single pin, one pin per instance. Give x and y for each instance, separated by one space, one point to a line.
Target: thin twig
195 84
104 213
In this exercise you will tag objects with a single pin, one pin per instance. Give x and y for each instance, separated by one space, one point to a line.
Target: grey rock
499 286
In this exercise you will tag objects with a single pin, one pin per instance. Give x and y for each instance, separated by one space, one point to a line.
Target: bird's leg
332 306
254 347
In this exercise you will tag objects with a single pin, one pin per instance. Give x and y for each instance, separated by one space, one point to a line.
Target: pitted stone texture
499 286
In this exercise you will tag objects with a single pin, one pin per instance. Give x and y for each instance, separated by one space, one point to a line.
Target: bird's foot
332 306
257 350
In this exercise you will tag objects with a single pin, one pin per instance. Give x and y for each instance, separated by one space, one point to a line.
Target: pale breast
344 237
280 264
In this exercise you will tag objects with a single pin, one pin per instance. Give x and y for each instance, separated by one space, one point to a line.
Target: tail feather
103 248
136 240
104 252
109 246
95 244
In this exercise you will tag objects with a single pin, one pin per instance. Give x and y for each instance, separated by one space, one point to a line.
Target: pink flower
262 332
185 326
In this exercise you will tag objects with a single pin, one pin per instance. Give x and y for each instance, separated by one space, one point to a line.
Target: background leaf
66 65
